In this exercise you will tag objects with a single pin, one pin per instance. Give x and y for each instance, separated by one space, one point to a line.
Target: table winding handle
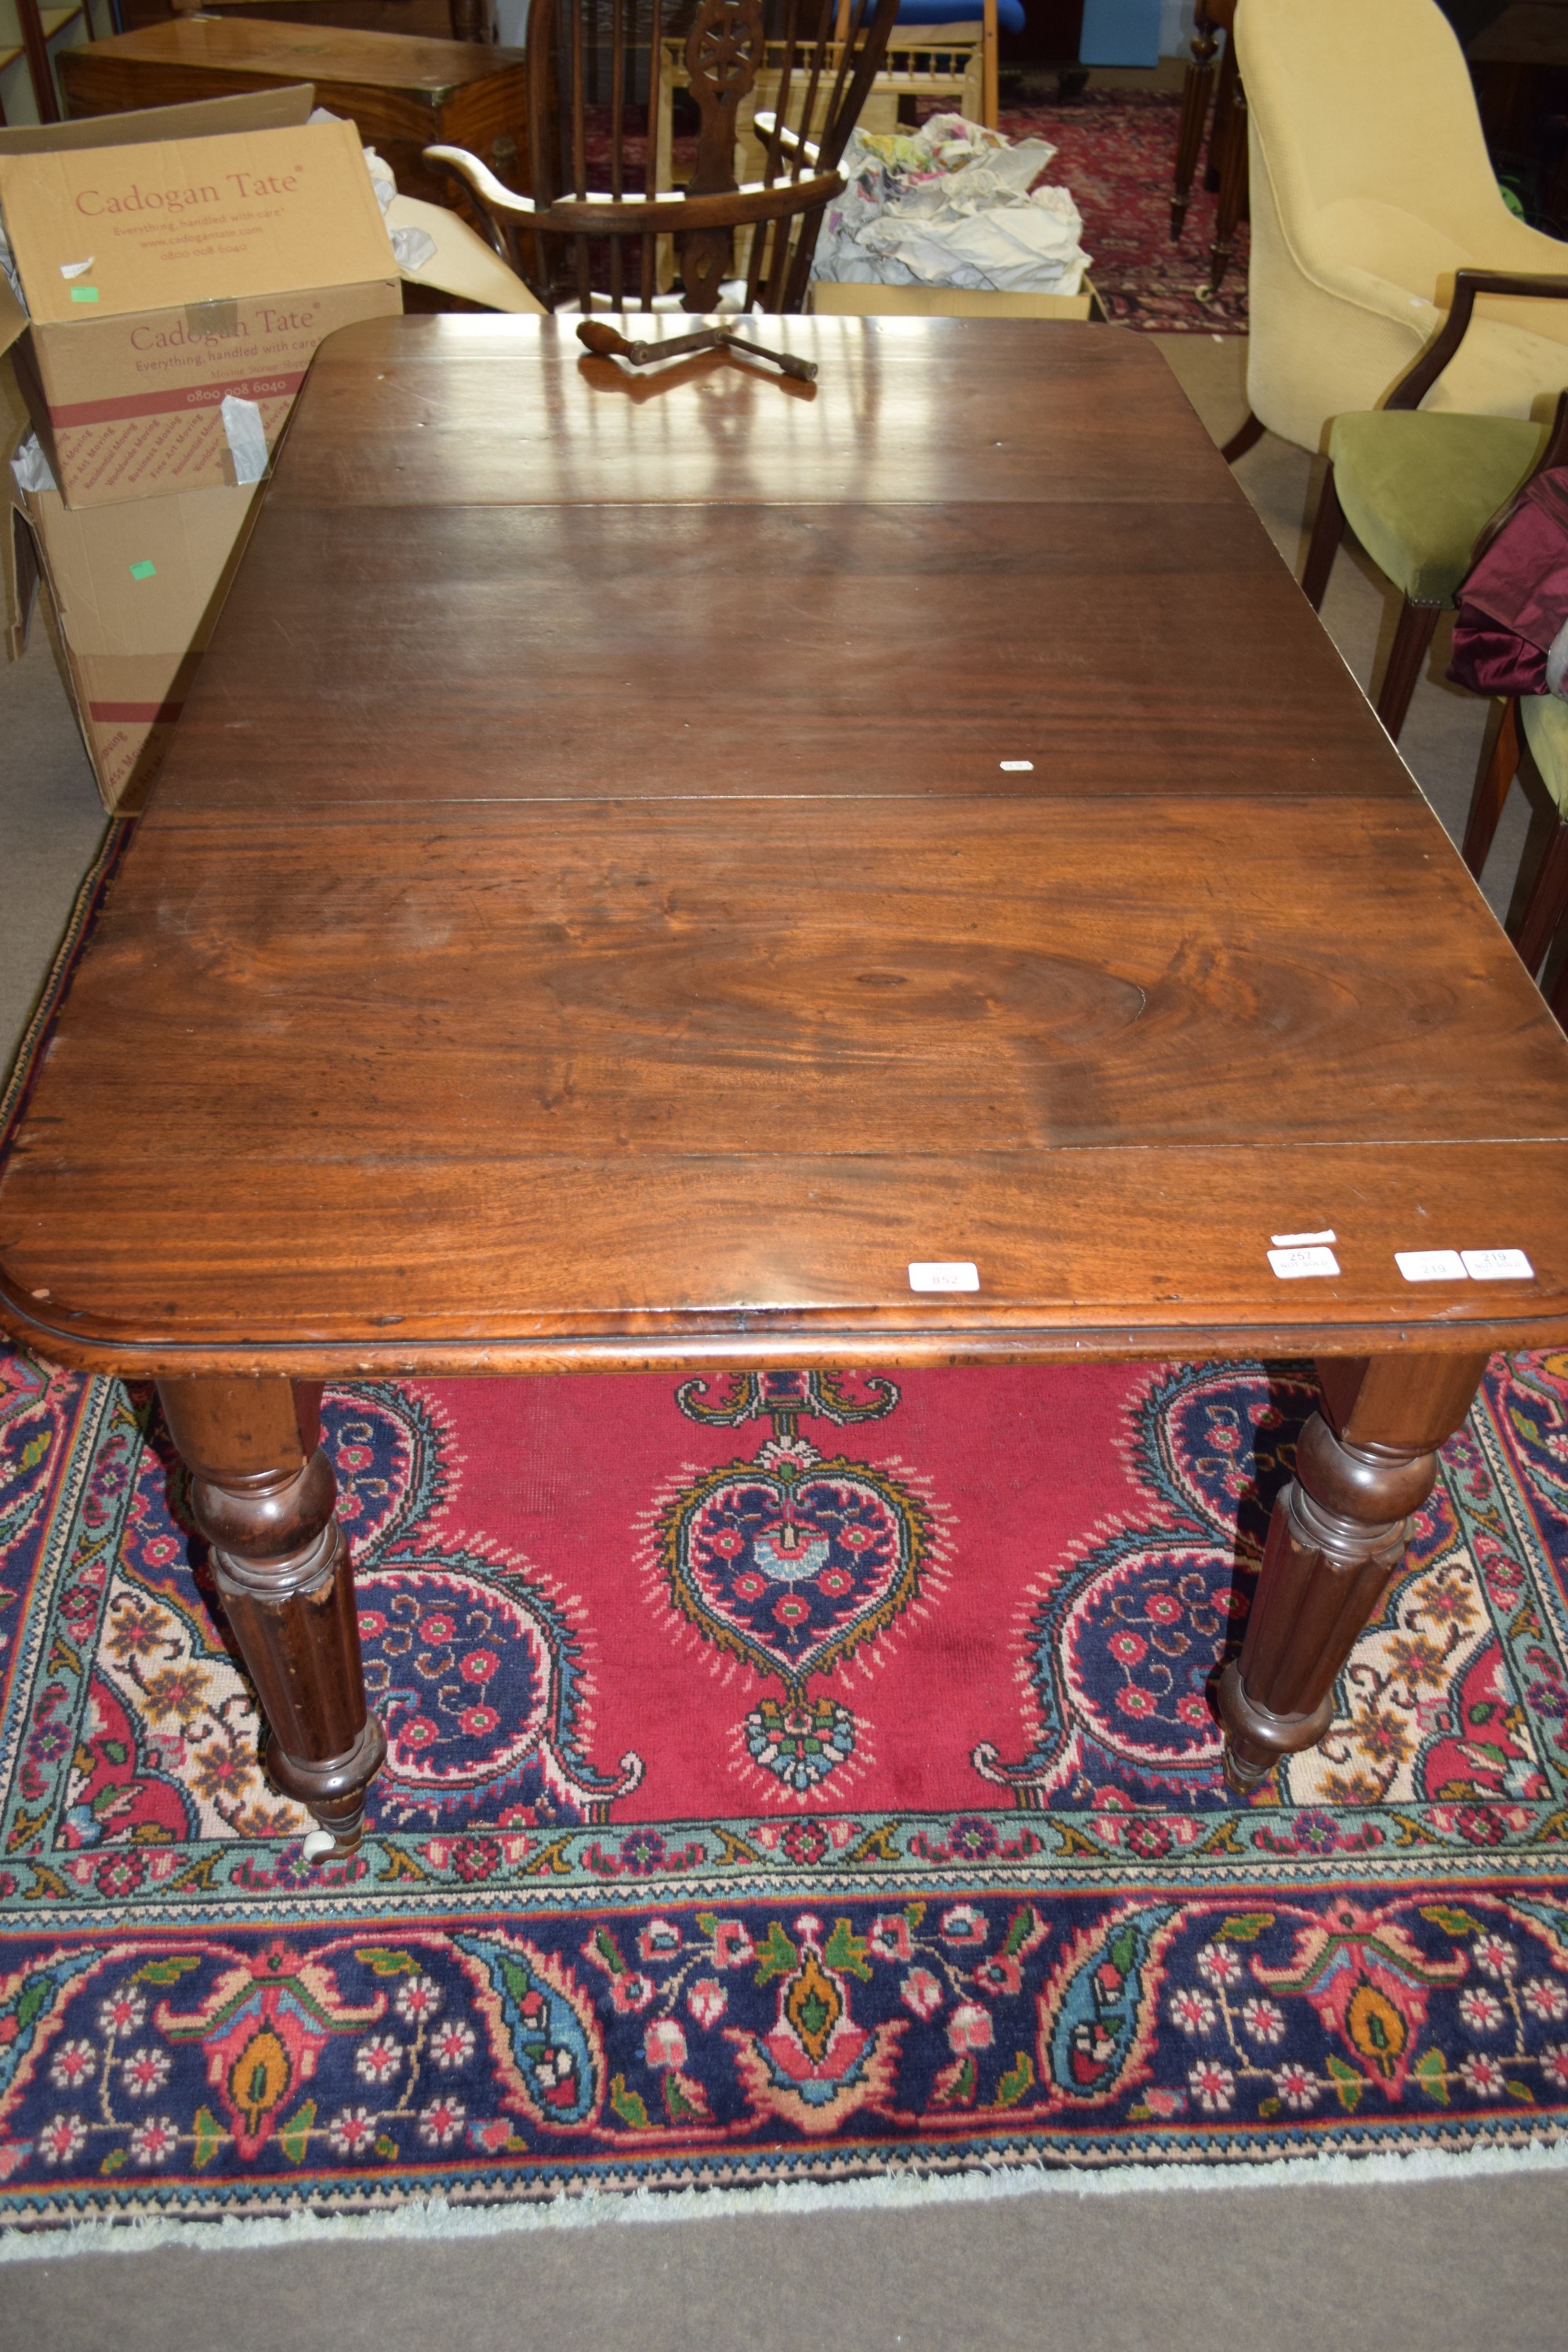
607 343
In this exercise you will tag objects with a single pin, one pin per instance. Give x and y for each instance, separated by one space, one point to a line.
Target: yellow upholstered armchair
1370 186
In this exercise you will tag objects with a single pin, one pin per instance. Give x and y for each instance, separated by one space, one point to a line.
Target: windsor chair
593 110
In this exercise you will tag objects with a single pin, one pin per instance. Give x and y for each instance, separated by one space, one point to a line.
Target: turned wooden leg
262 1493
1219 122
1405 656
1195 111
1327 530
1491 790
1366 1461
1232 187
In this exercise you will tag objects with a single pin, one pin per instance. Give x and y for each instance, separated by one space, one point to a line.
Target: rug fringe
436 2218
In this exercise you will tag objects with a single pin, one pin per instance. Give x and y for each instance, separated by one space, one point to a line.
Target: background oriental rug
790 1778
1116 150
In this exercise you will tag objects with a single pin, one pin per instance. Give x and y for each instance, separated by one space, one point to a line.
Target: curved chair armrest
757 201
1417 380
769 128
483 182
600 210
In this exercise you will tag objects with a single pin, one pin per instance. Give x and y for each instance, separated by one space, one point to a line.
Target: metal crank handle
606 344
803 371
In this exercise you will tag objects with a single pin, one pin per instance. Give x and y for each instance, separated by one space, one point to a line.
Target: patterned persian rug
1116 150
791 1777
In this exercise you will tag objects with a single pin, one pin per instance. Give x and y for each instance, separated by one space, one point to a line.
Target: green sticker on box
143 570
84 293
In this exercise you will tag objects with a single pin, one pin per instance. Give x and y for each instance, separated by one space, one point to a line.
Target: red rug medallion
789 1775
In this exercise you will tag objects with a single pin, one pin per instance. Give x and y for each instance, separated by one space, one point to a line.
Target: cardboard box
163 275
18 566
131 595
197 118
831 301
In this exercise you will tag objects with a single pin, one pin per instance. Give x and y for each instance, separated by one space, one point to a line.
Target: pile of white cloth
950 204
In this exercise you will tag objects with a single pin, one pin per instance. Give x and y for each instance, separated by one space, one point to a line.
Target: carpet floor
791 1777
1116 150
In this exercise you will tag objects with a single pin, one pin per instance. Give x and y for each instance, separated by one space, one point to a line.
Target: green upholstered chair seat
1546 732
1418 490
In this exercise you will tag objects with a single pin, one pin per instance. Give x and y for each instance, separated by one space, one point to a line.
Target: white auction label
1498 1265
1016 767
1431 1266
1303 1241
944 1274
1293 1265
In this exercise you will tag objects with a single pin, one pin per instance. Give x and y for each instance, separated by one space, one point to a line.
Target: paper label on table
1018 767
1498 1265
944 1274
1303 1241
1431 1266
1293 1265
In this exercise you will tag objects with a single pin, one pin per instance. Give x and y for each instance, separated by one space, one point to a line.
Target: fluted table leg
1195 111
262 1493
1367 1460
1233 186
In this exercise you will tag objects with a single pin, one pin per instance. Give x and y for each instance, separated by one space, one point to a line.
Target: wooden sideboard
404 95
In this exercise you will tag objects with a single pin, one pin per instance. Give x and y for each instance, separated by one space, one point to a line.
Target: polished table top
594 913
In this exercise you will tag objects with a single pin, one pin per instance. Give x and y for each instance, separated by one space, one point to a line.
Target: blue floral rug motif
527 1982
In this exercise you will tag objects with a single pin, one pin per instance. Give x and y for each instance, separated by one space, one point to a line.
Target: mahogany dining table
697 869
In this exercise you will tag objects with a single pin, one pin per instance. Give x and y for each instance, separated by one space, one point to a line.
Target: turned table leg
262 1493
1194 109
1366 1461
1233 185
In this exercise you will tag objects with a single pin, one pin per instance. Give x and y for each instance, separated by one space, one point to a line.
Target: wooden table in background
599 913
404 94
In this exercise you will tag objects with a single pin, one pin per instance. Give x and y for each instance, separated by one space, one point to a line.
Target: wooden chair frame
1537 923
724 51
1227 133
1539 920
35 44
913 42
1414 632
